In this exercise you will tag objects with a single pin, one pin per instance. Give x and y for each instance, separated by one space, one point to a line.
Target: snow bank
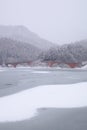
84 67
24 105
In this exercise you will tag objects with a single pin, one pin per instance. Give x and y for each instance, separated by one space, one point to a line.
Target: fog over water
60 21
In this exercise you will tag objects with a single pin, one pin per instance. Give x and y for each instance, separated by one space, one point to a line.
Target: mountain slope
21 33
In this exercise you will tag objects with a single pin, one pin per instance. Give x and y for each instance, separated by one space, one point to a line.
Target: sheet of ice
24 105
40 72
1 69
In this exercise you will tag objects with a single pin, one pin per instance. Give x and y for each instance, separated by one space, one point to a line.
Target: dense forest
13 51
68 53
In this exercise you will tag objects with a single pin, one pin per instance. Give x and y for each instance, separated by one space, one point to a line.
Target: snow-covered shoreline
45 67
24 105
39 68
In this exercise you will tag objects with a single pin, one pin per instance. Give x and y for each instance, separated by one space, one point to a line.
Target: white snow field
24 105
84 67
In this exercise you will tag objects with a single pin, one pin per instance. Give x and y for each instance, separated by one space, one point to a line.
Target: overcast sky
60 21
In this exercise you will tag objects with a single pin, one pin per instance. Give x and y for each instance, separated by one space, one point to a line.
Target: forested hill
13 51
18 44
68 53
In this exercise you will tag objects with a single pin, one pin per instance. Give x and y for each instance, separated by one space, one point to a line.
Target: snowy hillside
68 53
21 33
13 51
18 44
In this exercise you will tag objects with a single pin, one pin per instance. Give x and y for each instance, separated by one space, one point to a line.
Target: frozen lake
13 81
10 78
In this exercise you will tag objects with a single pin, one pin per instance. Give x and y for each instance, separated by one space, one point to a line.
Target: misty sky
60 21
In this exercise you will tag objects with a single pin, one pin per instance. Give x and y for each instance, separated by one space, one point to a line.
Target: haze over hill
21 33
59 21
